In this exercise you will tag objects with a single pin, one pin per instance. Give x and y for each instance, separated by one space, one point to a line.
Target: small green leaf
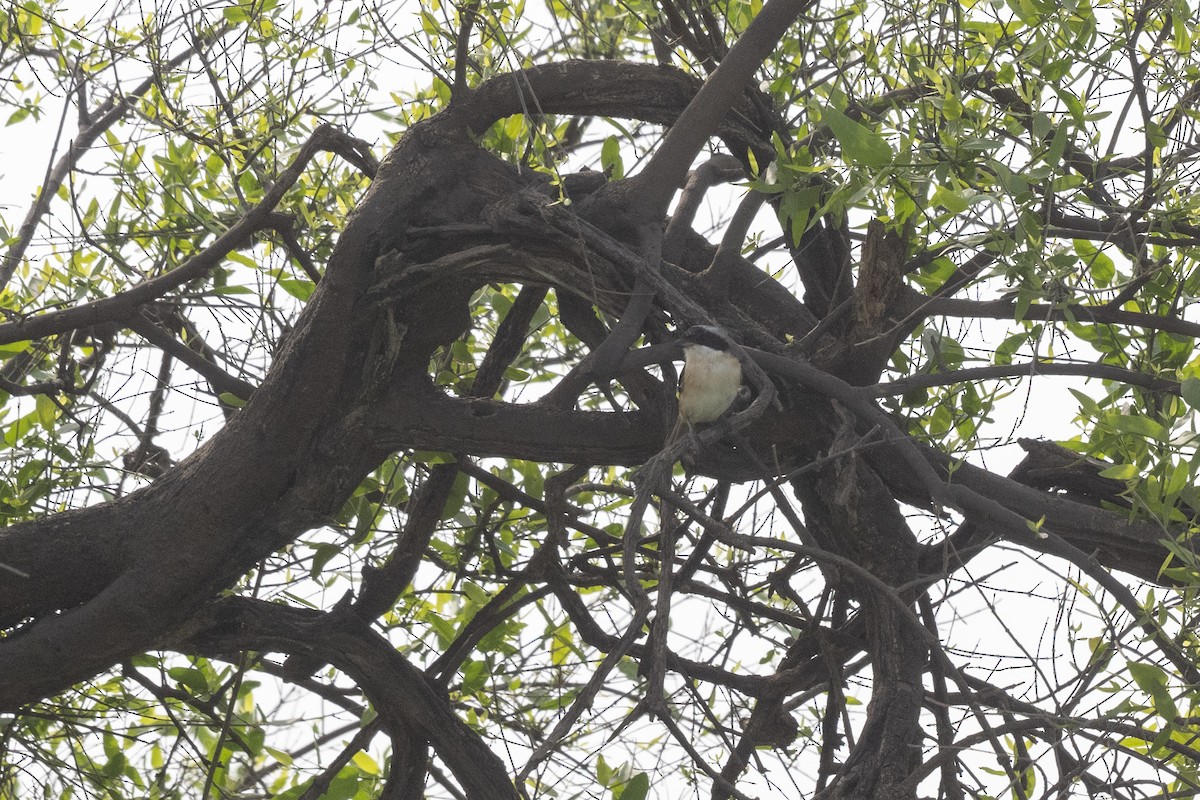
1058 145
1153 681
1138 425
322 554
17 116
610 158
47 411
1182 40
1156 135
476 594
456 497
231 399
1021 307
14 348
514 374
1120 472
364 762
279 755
475 676
603 771
244 260
114 766
1040 125
1190 390
637 788
190 677
1036 527
859 143
1087 403
952 201
299 289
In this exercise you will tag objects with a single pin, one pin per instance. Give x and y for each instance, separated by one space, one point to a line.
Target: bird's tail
676 432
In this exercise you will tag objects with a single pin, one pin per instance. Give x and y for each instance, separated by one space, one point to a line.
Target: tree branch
400 692
122 305
99 121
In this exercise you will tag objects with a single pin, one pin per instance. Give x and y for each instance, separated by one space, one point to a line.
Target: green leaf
1182 40
109 742
1087 403
603 771
1101 267
1121 472
364 762
17 116
514 374
610 158
476 594
1153 681
14 348
1040 125
1058 145
344 786
1021 306
1190 390
192 678
279 755
1156 135
47 411
475 676
561 645
244 260
637 788
1137 425
322 553
951 200
859 143
298 288
456 497
228 290
115 765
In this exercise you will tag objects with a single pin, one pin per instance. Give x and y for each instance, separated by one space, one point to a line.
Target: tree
328 475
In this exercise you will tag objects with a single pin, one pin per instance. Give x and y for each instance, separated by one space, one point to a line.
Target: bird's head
705 336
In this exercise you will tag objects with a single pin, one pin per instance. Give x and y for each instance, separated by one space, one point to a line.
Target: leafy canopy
317 323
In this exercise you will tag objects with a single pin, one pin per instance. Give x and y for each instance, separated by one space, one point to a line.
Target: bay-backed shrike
710 380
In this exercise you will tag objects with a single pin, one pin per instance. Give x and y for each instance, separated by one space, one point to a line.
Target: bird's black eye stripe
698 334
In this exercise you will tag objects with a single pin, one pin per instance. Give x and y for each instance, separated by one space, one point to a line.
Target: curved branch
597 88
404 697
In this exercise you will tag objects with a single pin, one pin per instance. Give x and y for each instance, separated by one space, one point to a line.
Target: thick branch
656 184
1002 309
400 692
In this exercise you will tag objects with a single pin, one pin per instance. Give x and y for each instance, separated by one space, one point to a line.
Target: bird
710 381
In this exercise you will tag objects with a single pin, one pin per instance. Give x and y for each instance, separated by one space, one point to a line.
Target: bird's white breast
711 381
